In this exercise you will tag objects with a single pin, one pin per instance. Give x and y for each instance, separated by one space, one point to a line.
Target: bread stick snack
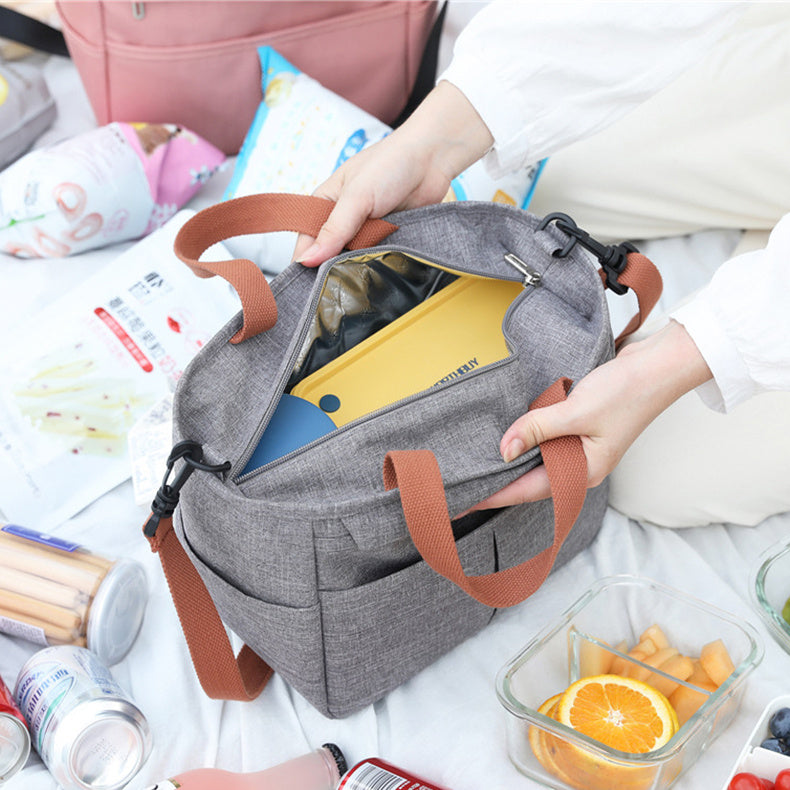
56 592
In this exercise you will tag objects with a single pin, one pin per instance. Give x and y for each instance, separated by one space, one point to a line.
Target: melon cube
594 659
656 636
619 665
687 701
677 665
716 661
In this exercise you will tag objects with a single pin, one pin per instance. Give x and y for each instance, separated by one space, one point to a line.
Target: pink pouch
195 63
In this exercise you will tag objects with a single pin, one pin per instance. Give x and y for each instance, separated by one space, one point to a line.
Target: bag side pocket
380 634
515 543
288 638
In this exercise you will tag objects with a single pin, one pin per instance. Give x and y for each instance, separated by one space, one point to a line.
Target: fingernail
312 250
514 449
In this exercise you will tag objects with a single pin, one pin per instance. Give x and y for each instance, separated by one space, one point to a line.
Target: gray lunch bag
337 563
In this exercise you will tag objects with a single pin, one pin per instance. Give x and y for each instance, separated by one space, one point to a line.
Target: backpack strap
426 74
31 32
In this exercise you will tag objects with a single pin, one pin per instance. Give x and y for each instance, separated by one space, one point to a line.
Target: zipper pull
531 276
138 10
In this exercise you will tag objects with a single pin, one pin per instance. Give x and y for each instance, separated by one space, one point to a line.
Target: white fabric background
445 724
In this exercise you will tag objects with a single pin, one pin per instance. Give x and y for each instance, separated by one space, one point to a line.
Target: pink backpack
196 63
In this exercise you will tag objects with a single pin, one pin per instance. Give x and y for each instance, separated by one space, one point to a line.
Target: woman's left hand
608 409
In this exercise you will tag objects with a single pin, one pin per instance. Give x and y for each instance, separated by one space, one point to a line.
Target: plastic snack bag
302 132
112 184
84 370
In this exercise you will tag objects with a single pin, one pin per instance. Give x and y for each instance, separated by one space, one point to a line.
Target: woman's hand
608 409
411 167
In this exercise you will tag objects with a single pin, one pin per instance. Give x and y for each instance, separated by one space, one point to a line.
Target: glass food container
771 590
616 611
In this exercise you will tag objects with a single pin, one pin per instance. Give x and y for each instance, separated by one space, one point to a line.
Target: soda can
14 735
375 774
87 731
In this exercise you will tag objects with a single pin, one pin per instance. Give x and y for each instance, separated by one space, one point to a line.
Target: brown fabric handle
222 674
642 276
266 213
417 476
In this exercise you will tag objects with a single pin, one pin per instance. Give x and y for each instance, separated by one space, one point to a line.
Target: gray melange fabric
308 559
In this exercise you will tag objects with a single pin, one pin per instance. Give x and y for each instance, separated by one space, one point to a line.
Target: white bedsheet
446 723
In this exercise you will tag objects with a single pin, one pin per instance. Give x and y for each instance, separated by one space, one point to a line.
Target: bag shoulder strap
426 73
222 674
641 275
31 32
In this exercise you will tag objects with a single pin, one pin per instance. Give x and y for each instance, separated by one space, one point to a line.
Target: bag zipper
138 10
530 277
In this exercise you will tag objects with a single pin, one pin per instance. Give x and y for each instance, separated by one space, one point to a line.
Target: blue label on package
40 537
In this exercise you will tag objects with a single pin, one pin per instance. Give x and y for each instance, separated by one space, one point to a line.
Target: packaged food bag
112 184
302 132
83 370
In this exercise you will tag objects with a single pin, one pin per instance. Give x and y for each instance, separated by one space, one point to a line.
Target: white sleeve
741 323
543 75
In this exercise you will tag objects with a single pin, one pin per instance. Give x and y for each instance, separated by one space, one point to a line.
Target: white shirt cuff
731 382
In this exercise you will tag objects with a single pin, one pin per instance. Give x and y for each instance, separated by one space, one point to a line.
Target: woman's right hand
411 167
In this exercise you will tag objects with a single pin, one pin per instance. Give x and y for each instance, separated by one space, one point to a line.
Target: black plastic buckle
166 498
612 257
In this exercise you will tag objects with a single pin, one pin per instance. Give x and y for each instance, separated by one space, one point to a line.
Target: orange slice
623 713
535 732
543 742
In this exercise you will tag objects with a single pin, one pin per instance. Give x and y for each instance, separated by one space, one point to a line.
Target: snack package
115 183
302 132
82 372
56 592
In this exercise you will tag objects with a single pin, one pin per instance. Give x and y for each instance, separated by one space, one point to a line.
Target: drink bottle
318 770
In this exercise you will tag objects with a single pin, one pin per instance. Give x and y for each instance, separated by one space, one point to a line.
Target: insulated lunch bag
344 531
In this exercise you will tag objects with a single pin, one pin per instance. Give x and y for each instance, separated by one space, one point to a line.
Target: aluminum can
375 774
87 731
14 735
